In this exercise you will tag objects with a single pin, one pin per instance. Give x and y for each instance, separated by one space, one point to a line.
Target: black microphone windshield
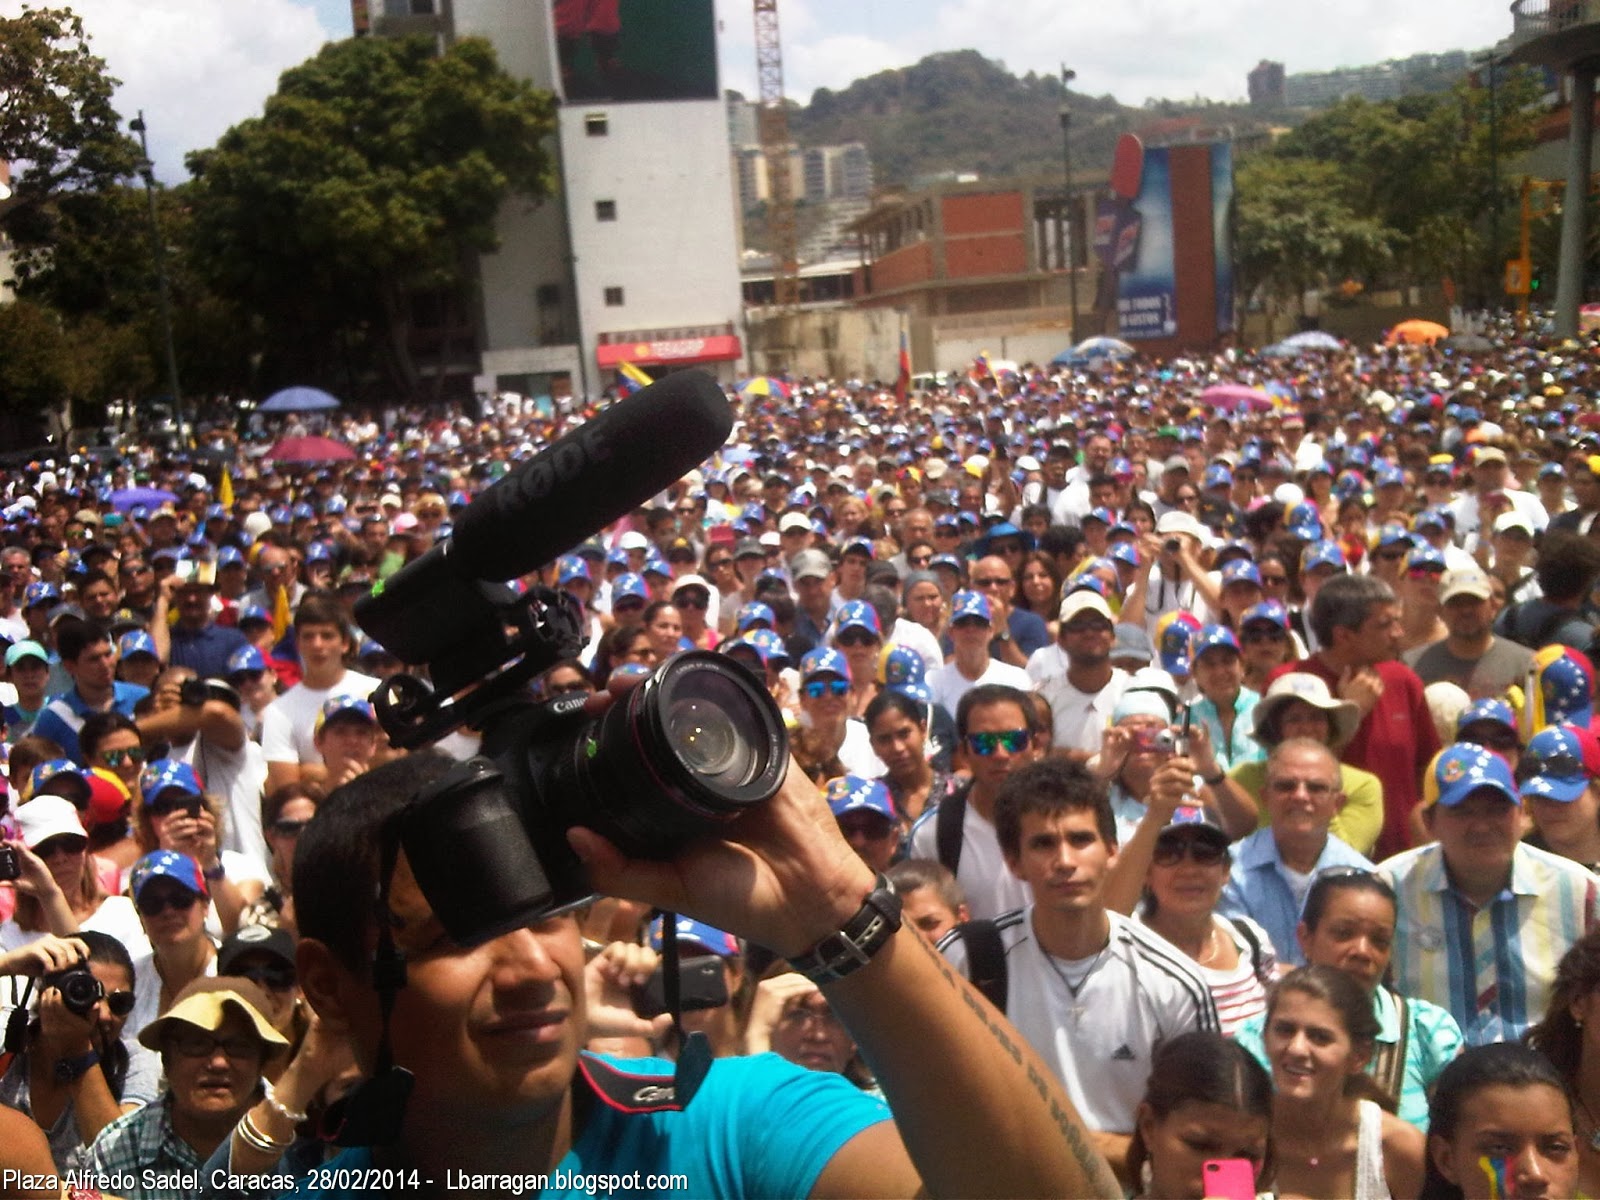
588 478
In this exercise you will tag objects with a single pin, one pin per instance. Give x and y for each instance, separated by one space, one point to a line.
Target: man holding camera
70 1068
194 640
492 1031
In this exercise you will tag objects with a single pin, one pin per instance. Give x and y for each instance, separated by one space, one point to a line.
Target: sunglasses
715 563
276 976
168 805
919 560
63 844
1263 633
115 758
154 905
984 745
692 600
856 637
1171 852
1389 555
192 1043
992 581
120 1002
816 689
288 828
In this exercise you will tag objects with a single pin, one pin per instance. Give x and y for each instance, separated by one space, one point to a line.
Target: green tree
1295 231
374 172
56 118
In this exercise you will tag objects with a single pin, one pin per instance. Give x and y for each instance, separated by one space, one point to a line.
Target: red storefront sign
670 352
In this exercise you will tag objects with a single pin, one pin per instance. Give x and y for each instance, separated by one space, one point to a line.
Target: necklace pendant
1314 1161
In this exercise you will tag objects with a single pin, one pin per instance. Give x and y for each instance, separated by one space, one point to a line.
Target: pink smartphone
1229 1179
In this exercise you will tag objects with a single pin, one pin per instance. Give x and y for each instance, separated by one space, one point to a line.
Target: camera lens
692 746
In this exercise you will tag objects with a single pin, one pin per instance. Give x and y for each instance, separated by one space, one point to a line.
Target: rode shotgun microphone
446 607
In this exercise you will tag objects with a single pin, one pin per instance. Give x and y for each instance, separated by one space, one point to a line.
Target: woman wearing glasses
60 891
76 1073
284 815
1348 924
1188 867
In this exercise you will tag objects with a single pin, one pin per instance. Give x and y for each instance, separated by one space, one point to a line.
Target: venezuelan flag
633 375
902 383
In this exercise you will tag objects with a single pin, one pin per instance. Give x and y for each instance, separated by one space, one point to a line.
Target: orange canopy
1416 332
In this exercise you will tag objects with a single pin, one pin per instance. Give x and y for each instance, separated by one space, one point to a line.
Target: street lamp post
158 252
1070 233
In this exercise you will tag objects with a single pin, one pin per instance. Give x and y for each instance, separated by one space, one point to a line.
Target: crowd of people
1244 759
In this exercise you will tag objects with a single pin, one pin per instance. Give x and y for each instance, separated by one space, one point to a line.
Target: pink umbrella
1235 395
310 450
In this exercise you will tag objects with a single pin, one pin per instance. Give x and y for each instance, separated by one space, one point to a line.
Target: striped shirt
1099 1021
1492 968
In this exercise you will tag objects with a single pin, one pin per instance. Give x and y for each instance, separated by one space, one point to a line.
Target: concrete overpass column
1575 207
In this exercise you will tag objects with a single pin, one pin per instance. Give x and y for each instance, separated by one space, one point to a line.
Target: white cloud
196 67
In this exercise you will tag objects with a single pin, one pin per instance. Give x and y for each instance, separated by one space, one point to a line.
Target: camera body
80 990
1172 545
10 864
686 751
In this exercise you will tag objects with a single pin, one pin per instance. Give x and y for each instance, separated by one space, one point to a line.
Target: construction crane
773 123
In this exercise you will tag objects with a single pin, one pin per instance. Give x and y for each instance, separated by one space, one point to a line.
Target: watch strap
68 1070
854 946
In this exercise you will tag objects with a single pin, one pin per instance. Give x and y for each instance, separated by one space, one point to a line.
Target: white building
637 258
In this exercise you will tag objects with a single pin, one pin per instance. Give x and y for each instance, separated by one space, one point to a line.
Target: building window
605 210
596 125
613 297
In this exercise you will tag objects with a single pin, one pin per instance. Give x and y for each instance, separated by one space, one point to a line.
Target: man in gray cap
812 573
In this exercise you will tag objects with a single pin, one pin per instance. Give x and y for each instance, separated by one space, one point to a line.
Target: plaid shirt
1490 968
139 1141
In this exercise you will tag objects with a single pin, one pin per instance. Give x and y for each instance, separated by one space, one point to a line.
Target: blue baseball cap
1497 711
904 671
1395 535
51 777
137 642
1271 612
1324 553
230 556
755 613
1123 552
1564 758
857 614
1217 475
1241 570
167 864
166 775
318 552
1463 768
769 644
570 567
824 660
1214 637
246 658
949 561
697 933
966 605
629 585
1431 518
1424 557
1104 515
854 793
1388 474
656 565
254 612
340 708
40 592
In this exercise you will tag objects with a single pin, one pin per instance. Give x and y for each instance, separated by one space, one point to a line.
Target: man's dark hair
1568 566
95 576
1049 787
1345 602
1061 539
336 859
321 608
1102 480
99 726
885 603
75 635
986 694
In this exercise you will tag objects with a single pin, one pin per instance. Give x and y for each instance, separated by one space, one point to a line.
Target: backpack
947 821
1542 636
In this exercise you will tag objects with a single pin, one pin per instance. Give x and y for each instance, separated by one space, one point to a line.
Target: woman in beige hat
1299 705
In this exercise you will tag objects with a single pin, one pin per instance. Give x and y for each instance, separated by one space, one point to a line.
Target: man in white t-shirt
996 732
971 625
1082 697
1093 992
288 726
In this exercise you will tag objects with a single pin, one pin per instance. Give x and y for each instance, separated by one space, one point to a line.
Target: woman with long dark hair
1569 1036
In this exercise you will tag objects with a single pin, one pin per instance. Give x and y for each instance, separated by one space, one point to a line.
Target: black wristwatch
854 946
70 1070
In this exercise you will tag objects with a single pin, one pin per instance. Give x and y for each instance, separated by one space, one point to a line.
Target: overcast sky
198 66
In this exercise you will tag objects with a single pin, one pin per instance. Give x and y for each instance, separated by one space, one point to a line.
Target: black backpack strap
986 960
947 822
1251 940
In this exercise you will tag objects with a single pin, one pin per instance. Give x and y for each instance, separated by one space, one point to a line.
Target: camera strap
694 1049
16 1039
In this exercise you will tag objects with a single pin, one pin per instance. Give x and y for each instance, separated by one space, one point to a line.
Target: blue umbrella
1312 339
1091 349
132 497
298 399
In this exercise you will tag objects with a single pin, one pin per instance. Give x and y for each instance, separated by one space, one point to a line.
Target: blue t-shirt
758 1126
63 716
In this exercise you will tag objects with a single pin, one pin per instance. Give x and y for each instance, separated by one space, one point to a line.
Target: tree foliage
57 125
373 171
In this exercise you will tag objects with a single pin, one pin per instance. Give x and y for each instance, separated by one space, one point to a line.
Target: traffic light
1536 282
